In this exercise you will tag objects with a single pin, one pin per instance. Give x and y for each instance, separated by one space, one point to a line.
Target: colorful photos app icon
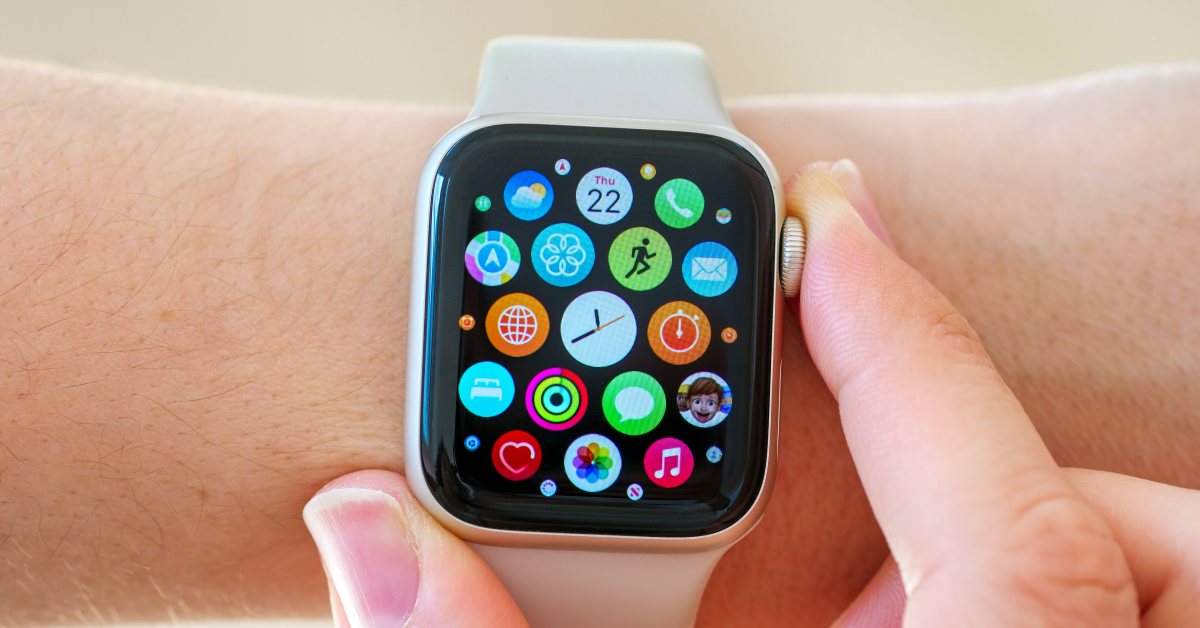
704 399
709 269
679 203
669 462
598 328
592 463
563 255
517 324
679 332
634 403
556 399
639 258
528 195
486 389
516 455
492 258
604 196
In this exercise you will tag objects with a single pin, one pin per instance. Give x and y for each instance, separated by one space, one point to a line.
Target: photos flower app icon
592 463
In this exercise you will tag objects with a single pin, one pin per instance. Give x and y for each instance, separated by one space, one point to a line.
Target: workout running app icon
517 324
679 332
639 258
492 258
556 399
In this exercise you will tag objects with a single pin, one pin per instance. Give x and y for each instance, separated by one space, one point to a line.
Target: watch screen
598 340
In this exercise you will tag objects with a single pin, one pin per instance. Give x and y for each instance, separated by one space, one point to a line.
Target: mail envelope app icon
710 268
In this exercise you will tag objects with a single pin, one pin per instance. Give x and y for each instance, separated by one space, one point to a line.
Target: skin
203 309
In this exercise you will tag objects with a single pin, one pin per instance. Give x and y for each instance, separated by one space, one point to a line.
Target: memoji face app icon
679 332
516 455
592 463
669 462
598 328
639 258
704 399
604 196
709 269
679 203
486 389
517 324
556 399
528 195
634 403
492 258
563 255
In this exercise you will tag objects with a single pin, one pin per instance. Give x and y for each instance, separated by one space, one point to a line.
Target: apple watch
599 263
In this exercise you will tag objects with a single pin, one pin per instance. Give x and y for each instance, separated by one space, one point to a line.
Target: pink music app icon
669 462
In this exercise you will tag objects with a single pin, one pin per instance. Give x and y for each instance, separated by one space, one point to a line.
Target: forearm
204 302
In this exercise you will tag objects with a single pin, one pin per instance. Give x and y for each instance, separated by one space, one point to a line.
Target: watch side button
791 256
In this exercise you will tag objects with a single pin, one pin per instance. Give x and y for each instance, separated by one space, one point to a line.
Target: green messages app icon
679 203
639 258
634 403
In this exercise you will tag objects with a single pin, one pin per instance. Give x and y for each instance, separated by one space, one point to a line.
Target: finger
391 564
963 487
880 604
1156 524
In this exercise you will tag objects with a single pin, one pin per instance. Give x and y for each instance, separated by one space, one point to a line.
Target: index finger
966 492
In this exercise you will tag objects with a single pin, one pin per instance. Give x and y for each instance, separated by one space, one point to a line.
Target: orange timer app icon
679 332
517 324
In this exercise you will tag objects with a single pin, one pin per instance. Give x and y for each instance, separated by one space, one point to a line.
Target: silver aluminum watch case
416 353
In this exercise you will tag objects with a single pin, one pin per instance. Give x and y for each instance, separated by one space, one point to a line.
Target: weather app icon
528 195
563 255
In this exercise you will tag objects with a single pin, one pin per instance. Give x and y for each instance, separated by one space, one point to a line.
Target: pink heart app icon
517 455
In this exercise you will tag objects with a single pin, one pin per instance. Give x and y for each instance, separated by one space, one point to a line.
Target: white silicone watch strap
584 589
647 79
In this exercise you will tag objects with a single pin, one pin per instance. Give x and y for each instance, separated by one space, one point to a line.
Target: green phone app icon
679 203
639 258
634 403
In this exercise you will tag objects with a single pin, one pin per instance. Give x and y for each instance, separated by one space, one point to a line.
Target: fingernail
849 177
362 536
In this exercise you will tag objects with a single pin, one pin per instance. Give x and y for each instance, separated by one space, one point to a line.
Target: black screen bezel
653 518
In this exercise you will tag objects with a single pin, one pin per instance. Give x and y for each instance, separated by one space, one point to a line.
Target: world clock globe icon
517 324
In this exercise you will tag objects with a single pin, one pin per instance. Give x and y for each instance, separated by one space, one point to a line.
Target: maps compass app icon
492 258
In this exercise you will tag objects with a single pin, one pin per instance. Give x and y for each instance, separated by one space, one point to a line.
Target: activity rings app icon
492 258
556 399
592 463
679 332
634 403
639 258
679 203
604 196
516 455
598 328
563 255
517 324
486 389
709 269
528 195
704 399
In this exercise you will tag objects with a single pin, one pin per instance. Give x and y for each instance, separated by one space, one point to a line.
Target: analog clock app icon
598 328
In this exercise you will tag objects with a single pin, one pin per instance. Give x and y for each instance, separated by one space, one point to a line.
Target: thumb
390 564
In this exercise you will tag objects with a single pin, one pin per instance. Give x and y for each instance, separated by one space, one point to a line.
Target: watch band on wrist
655 80
649 80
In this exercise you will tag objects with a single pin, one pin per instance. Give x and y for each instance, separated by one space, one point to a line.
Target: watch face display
598 299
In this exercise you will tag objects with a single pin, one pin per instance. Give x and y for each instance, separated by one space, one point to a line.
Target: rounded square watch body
594 348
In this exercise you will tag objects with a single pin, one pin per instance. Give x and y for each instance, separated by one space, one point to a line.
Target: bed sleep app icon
486 389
